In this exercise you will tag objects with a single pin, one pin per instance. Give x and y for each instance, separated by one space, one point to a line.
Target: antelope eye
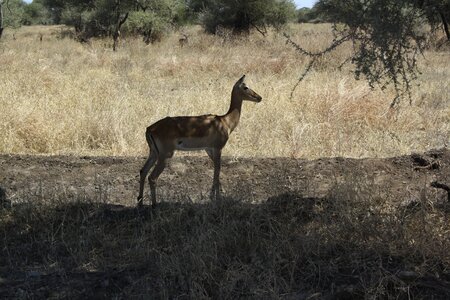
245 88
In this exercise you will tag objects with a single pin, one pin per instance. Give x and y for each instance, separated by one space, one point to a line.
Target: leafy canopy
241 16
387 37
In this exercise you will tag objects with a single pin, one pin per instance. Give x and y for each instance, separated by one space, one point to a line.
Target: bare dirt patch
114 179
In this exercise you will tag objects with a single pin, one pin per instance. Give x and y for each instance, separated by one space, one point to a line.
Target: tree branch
259 30
445 187
313 55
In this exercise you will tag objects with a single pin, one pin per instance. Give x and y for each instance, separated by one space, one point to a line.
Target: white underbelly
181 148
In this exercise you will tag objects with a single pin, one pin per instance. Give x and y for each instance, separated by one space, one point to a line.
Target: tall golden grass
62 97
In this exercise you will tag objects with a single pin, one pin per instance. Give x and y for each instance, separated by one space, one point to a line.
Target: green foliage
433 8
13 13
437 12
147 23
282 12
36 13
150 18
311 15
77 17
243 15
304 15
57 7
154 18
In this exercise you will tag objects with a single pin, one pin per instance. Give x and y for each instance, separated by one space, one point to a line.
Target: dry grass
59 96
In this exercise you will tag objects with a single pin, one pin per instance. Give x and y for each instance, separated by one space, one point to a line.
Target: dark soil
115 179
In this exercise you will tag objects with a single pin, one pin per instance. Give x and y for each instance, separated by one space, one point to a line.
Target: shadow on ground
291 247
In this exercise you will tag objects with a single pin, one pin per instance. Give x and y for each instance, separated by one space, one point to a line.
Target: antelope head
244 92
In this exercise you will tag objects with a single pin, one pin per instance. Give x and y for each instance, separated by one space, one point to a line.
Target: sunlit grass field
58 96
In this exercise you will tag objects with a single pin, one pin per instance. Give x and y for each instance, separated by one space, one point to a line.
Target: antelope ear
241 80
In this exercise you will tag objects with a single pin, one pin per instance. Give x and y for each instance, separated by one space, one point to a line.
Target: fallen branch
445 187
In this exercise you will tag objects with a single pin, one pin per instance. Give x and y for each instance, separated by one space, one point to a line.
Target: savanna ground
322 197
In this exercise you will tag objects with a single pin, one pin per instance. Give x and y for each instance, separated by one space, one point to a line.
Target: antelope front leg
143 174
160 165
215 191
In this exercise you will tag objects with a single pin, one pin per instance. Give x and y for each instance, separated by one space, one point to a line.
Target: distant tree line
434 12
310 15
149 18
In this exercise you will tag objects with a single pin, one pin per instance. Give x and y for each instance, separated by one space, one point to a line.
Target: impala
184 40
207 132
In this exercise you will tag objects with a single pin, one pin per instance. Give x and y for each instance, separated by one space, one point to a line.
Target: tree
387 38
310 15
121 11
55 8
241 16
154 18
36 13
83 16
437 13
304 15
1 18
11 14
94 18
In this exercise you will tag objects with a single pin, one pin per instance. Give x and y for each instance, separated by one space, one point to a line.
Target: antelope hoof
214 195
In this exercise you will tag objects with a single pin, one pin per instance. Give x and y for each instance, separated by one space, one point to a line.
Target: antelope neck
231 118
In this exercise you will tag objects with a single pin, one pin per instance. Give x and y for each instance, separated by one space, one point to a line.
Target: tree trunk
147 37
119 22
444 22
1 18
241 24
116 33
